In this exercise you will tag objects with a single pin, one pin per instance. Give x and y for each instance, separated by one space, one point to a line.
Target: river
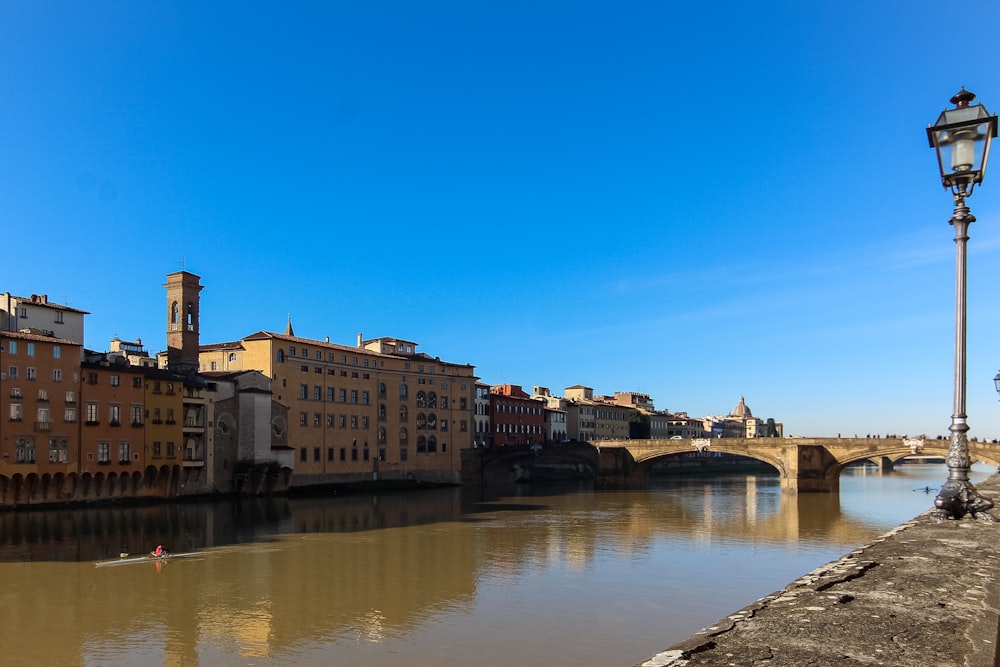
547 575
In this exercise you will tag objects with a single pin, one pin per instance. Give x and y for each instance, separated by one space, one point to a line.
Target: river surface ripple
529 575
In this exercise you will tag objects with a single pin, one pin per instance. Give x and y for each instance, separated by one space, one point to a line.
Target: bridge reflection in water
450 576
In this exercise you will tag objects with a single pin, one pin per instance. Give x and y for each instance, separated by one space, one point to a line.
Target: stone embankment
925 594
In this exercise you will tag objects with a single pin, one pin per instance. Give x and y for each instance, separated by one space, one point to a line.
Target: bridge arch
804 464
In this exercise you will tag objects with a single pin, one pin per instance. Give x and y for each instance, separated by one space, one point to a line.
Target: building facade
377 411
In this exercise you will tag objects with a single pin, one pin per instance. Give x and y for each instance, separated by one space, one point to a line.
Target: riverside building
379 410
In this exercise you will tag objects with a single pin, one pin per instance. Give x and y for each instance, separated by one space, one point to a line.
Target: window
157 449
137 382
24 451
104 452
317 393
329 394
403 415
170 449
343 421
403 392
343 396
303 392
281 355
364 423
31 349
56 352
303 452
462 404
12 347
31 374
124 452
330 421
92 413
381 389
12 372
319 355
58 450
291 350
463 426
364 398
232 356
317 419
343 453
59 317
354 421
136 415
303 418
116 380
114 415
70 414
316 454
354 396
329 450
16 413
56 375
170 416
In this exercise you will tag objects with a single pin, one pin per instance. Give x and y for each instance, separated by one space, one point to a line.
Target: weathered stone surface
927 593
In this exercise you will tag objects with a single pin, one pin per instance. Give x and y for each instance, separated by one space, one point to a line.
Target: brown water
429 578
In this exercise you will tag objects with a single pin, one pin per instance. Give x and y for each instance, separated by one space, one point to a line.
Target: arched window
174 315
281 354
403 415
421 421
381 434
421 399
432 444
403 391
432 400
421 443
403 436
381 389
431 422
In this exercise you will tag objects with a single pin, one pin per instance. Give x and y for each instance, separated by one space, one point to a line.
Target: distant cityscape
271 411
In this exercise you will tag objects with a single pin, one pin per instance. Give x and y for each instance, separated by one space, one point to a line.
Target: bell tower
183 296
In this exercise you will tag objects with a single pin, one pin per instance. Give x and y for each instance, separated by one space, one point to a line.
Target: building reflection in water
293 576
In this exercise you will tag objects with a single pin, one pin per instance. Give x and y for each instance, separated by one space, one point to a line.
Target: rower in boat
159 552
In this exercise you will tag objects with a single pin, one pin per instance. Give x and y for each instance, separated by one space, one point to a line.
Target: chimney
359 339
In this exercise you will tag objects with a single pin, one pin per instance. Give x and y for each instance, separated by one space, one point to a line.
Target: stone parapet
926 593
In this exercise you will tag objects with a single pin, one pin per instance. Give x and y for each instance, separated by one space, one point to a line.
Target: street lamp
961 137
996 381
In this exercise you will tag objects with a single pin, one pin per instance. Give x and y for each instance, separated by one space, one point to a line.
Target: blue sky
693 200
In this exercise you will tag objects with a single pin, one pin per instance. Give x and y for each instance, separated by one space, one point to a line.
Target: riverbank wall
926 593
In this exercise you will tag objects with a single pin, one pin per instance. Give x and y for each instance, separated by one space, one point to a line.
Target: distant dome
741 410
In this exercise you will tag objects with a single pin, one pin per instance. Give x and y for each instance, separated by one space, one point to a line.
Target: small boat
148 558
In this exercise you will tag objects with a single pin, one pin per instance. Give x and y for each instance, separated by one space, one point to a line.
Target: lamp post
961 138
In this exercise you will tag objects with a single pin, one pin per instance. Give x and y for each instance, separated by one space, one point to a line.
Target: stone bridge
804 464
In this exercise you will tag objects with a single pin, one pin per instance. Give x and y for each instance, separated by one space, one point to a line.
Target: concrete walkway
926 594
